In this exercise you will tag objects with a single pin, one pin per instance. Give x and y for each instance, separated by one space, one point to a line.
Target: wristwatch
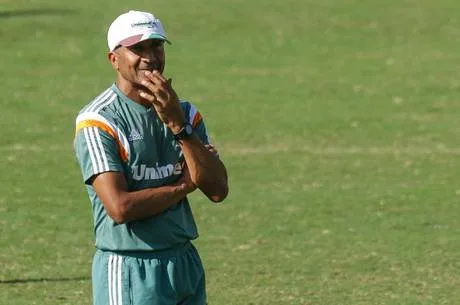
185 132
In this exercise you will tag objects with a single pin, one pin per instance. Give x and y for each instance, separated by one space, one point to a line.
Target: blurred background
337 120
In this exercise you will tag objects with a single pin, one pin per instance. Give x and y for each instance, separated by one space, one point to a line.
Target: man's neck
131 91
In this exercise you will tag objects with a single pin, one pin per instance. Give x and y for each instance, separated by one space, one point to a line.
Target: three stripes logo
114 274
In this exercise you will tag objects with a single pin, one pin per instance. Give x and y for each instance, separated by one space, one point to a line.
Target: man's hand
212 149
160 93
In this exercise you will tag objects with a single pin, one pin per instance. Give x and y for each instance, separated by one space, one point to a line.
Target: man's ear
113 58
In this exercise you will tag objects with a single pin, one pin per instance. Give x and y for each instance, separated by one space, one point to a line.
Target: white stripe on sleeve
191 116
102 150
91 150
92 135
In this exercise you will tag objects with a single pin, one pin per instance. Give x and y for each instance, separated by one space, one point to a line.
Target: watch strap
185 132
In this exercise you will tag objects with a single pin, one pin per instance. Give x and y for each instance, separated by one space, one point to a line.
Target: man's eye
136 48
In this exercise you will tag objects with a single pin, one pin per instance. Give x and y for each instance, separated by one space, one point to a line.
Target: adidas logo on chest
135 135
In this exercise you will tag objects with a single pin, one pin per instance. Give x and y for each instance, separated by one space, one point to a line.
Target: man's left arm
207 171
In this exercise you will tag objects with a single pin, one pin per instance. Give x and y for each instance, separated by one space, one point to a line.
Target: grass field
338 121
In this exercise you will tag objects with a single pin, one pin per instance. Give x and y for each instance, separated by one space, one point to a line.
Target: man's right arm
101 153
124 206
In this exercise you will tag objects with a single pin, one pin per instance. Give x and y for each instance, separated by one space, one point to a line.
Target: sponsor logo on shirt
143 172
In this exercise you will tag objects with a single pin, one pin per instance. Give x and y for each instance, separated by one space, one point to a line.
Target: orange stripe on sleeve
196 119
107 129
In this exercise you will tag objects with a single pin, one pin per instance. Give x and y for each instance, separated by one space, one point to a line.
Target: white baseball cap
133 27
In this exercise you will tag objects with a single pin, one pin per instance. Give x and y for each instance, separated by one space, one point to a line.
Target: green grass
337 120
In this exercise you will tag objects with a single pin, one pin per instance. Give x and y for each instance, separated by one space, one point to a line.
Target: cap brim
138 38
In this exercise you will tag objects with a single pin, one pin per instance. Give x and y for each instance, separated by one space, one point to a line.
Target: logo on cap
149 24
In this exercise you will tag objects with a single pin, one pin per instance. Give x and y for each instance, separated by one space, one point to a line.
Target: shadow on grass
37 12
44 280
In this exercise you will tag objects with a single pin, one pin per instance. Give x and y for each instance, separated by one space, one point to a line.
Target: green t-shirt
114 133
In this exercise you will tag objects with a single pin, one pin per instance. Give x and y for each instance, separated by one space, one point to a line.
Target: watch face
188 129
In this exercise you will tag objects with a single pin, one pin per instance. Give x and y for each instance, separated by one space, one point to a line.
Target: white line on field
266 150
355 150
18 147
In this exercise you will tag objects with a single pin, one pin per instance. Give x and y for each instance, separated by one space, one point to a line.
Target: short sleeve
97 151
196 120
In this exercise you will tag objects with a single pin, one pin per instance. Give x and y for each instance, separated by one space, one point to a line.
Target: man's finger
154 88
158 90
212 149
153 78
151 98
156 78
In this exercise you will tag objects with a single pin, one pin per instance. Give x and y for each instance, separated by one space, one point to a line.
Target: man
142 151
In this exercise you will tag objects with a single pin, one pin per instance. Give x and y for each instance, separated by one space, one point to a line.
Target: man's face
131 62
